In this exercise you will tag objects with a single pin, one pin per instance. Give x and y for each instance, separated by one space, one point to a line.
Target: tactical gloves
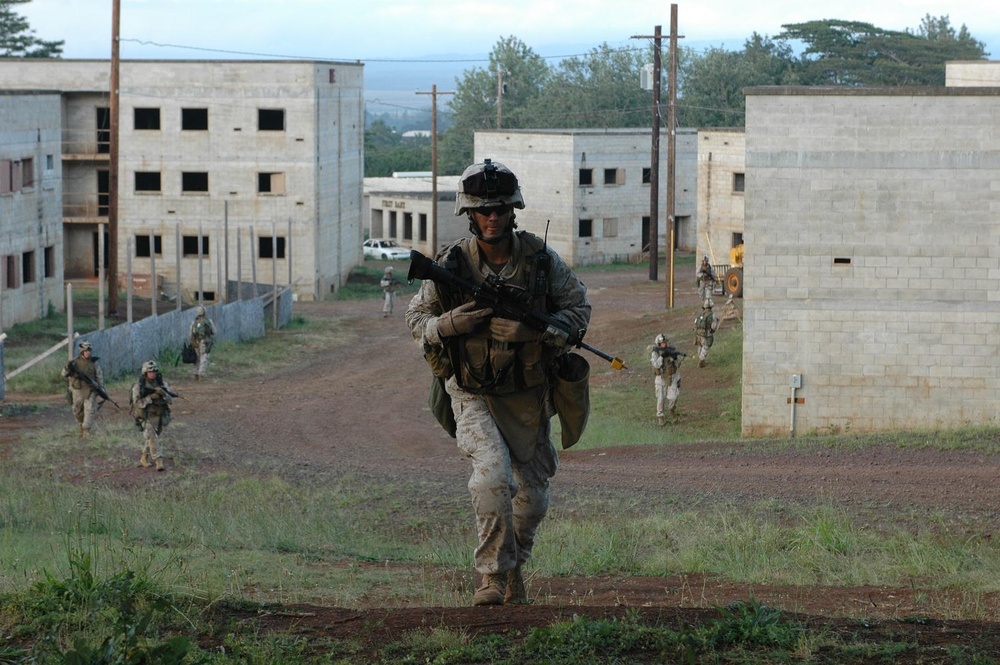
508 330
462 320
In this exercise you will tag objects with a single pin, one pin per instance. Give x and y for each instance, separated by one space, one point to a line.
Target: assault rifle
507 301
670 352
101 392
146 392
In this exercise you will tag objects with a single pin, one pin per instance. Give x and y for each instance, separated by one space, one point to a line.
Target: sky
371 30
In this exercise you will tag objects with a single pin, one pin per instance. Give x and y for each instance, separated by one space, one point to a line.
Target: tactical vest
703 325
86 366
482 365
202 329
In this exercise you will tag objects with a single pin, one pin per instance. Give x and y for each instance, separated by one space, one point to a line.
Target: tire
734 282
385 257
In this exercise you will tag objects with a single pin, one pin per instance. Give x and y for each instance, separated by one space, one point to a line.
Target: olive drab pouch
571 396
440 403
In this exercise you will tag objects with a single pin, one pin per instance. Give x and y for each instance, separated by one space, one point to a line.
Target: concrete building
270 151
593 188
31 272
872 275
721 184
401 208
972 74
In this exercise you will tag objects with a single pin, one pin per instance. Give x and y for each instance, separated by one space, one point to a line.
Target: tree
475 103
855 53
17 39
386 151
711 87
600 89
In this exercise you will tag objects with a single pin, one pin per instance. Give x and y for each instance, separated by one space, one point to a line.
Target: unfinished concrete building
264 155
30 206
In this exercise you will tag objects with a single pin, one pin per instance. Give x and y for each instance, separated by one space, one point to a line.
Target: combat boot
144 461
516 593
661 421
491 590
701 363
159 464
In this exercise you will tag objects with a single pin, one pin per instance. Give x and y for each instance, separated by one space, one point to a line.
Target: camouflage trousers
202 366
667 394
84 406
151 437
510 498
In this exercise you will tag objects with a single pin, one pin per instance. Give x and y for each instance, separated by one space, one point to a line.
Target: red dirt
319 417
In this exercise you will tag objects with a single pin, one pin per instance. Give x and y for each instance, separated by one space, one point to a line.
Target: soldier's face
492 221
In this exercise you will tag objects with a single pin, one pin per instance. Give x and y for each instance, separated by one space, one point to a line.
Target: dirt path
360 408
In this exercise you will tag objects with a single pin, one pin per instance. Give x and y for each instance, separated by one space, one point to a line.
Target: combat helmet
150 366
485 185
200 310
86 346
660 339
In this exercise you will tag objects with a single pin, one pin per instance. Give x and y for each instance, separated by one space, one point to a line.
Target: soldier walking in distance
704 331
666 362
86 379
389 284
705 279
151 398
201 335
498 371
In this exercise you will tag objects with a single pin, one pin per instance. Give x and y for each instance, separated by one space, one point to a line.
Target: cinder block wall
872 259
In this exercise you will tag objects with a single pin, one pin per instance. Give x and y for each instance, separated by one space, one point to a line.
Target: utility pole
500 88
113 168
654 160
671 154
434 167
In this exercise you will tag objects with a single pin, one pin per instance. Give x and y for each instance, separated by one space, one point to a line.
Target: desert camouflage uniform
84 397
151 411
389 285
666 384
509 482
201 335
704 331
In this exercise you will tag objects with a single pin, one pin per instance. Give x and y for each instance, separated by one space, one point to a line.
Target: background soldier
666 362
389 285
705 279
498 371
201 336
704 331
151 398
86 380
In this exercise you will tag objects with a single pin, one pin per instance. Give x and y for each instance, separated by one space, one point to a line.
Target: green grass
103 569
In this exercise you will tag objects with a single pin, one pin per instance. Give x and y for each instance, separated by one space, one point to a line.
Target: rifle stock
506 302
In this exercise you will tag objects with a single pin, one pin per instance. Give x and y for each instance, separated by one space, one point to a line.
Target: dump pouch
571 396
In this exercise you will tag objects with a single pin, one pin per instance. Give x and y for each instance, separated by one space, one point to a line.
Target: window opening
142 246
265 244
189 246
194 181
194 119
586 176
145 119
147 181
586 228
270 183
271 120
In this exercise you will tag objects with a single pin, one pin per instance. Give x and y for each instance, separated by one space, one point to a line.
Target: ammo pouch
571 396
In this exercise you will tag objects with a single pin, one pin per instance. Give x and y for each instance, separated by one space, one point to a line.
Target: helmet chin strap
508 232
